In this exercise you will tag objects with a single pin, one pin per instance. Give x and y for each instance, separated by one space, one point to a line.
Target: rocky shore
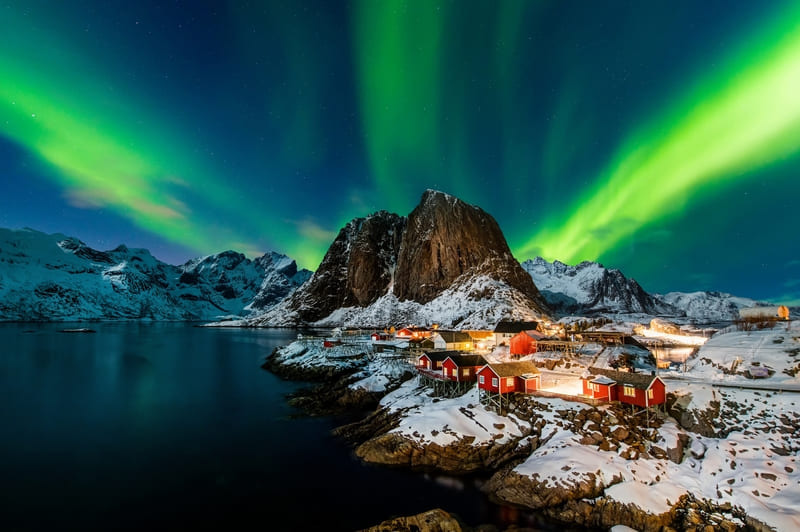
582 465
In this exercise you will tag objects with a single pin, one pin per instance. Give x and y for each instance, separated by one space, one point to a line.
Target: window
509 381
480 379
629 391
465 372
650 393
595 387
438 364
494 381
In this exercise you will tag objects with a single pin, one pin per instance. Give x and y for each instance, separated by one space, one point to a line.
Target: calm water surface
169 425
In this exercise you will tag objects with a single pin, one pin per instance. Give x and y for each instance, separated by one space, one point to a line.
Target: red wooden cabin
507 377
640 389
462 368
524 343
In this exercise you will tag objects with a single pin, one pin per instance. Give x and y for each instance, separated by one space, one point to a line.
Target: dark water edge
166 425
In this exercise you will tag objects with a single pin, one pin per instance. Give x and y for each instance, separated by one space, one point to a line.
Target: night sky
661 138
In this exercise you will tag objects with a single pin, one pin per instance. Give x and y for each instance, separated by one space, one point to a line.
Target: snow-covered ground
751 465
729 356
443 421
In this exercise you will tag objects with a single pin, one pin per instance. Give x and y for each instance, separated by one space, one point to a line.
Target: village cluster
528 358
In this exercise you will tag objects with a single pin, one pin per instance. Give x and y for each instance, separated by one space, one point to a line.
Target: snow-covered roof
513 369
637 380
602 379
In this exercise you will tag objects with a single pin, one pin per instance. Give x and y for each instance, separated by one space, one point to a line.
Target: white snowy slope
56 277
474 302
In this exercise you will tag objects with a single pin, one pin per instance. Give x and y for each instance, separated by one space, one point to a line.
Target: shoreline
471 440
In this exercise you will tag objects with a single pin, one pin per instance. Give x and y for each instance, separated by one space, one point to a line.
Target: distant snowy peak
590 288
707 305
57 277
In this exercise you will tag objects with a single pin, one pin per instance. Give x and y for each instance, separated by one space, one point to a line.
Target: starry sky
661 138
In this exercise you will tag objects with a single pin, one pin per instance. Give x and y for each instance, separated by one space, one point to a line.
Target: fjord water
168 425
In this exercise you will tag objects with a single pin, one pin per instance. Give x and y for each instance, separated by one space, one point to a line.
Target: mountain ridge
55 277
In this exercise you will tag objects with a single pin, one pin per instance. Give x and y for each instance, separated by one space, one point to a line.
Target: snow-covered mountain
710 306
447 262
590 288
56 277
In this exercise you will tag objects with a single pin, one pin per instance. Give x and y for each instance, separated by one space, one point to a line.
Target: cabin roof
463 360
438 356
513 369
536 335
602 379
480 335
454 336
515 326
642 381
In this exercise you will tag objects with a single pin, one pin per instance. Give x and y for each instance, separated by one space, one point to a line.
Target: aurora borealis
661 138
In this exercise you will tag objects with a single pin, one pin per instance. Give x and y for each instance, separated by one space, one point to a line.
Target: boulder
436 520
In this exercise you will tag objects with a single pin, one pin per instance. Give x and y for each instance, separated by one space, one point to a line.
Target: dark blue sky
661 138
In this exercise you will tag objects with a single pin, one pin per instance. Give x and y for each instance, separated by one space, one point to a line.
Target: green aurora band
742 118
105 151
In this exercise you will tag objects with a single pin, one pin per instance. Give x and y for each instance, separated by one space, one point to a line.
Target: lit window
630 391
465 372
595 387
494 381
438 364
480 379
509 381
650 393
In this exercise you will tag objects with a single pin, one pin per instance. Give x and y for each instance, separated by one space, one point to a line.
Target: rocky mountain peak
385 268
447 238
591 288
357 269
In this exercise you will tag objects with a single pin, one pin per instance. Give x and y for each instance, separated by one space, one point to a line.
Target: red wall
530 385
449 365
522 344
502 386
659 395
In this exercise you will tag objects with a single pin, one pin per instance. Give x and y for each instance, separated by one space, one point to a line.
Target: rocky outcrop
446 238
508 486
436 520
459 458
356 270
605 513
703 422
